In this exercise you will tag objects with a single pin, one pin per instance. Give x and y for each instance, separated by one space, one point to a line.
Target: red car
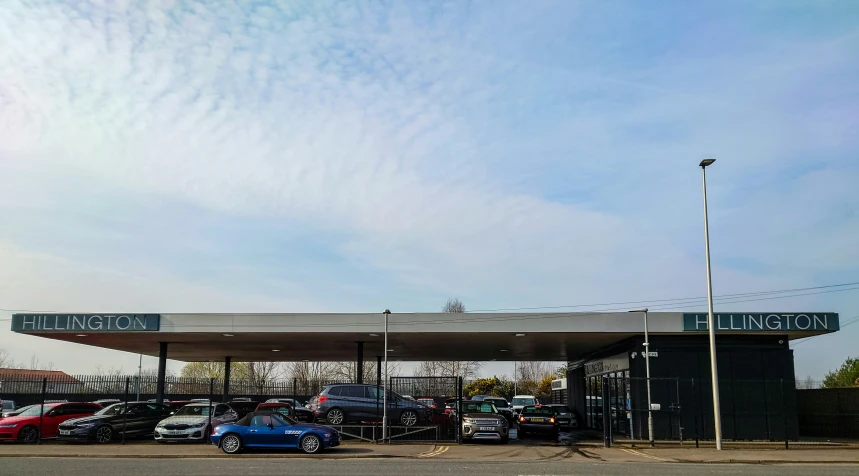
25 427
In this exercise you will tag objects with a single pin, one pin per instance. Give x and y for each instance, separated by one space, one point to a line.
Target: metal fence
751 410
433 425
828 412
24 390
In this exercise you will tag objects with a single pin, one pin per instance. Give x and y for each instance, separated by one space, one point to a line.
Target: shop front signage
615 363
86 322
767 322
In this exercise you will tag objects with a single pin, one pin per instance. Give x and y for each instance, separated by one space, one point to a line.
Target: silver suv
481 421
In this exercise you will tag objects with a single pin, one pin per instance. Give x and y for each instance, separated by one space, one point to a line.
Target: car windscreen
35 410
479 407
523 401
498 402
193 410
115 409
538 411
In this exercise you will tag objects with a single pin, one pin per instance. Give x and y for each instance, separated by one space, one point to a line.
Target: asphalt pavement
389 467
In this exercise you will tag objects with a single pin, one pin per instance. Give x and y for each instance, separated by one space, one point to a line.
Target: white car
192 422
520 401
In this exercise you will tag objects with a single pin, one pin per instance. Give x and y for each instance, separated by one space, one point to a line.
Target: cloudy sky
179 156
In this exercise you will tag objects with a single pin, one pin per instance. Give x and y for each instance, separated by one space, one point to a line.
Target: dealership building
605 383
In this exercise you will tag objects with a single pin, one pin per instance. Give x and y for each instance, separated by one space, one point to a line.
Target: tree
806 384
454 305
204 370
489 386
544 388
846 376
6 361
256 374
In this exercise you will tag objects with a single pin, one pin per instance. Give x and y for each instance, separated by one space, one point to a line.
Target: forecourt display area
750 345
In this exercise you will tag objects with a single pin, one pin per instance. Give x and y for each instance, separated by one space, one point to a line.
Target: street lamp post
387 313
647 373
711 327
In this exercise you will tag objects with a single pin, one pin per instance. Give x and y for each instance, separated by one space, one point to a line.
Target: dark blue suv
339 404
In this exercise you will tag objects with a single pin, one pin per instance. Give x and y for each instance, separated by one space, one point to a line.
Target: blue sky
352 156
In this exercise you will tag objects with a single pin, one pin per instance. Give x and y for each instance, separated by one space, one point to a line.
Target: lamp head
706 162
638 310
386 311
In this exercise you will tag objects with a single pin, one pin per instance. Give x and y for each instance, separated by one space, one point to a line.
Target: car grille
484 421
176 427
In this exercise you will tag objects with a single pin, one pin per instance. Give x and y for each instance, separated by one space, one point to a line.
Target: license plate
171 432
65 432
487 428
537 420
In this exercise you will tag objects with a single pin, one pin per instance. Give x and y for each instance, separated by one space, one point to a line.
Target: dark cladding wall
757 387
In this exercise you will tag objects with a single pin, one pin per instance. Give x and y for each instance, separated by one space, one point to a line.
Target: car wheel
311 444
335 416
409 418
231 444
104 434
28 434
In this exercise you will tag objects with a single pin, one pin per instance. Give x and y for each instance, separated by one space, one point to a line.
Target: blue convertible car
273 430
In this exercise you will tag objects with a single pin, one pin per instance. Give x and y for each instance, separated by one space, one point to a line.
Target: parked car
175 405
565 417
133 419
105 402
271 430
428 402
298 414
538 419
481 421
11 413
193 422
520 401
501 405
352 403
25 426
7 406
242 407
295 403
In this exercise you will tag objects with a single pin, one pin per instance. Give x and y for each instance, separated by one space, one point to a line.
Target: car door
154 414
267 431
51 420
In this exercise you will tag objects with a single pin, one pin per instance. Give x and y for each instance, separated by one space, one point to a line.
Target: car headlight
467 420
197 425
10 425
85 425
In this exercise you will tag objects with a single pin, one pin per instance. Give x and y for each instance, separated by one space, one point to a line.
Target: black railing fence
24 390
751 410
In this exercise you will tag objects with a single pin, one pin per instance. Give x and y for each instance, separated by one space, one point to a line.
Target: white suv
193 422
520 401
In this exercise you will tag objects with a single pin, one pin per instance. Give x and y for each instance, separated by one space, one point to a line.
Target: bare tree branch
453 305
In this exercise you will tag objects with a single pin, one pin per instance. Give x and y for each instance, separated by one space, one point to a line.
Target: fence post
695 411
125 410
294 388
458 408
211 410
42 411
606 412
784 414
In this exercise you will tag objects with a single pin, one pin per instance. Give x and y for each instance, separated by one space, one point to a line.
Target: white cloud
432 144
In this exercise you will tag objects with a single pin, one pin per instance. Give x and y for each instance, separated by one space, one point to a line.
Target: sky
253 156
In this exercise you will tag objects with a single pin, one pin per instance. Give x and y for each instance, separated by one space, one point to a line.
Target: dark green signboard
85 322
764 321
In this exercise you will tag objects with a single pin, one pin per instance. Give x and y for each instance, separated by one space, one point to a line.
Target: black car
133 419
565 417
242 406
501 405
538 419
354 403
